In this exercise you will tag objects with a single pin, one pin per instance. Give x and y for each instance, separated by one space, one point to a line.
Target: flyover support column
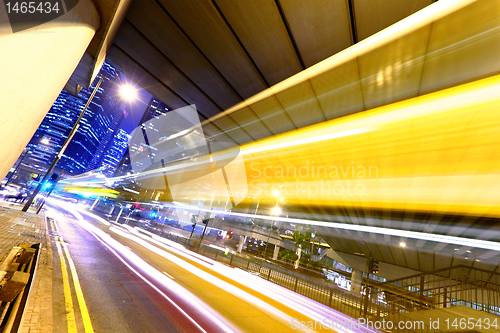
276 251
356 279
240 244
35 64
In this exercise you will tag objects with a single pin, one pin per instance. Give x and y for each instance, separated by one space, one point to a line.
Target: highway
132 282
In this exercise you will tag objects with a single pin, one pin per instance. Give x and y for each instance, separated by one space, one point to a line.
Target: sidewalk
20 227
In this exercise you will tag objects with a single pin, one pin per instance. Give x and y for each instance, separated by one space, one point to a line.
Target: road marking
87 324
54 225
70 312
79 293
170 276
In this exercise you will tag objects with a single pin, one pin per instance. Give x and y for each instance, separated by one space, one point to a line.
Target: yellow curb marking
78 289
79 294
70 312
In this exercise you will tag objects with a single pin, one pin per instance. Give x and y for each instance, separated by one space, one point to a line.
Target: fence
353 305
457 285
392 300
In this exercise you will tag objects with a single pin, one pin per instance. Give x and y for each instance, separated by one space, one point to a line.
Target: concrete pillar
240 244
276 251
356 279
299 253
35 64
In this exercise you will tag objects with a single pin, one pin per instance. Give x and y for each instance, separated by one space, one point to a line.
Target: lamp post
127 92
205 221
63 147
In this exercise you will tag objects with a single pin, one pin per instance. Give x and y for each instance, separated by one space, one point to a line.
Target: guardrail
457 285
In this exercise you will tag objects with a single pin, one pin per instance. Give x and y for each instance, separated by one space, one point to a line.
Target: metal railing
458 285
393 300
326 293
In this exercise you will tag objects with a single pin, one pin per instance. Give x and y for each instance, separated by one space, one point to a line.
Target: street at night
249 166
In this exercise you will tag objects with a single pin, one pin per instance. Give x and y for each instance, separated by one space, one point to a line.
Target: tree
302 241
288 255
304 258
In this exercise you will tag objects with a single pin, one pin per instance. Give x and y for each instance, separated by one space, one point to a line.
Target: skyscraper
98 127
55 127
154 109
116 151
112 122
99 141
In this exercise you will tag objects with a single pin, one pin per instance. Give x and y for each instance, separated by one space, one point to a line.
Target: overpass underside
394 157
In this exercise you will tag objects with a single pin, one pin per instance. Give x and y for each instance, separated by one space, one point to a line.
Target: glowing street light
128 92
45 141
63 148
276 210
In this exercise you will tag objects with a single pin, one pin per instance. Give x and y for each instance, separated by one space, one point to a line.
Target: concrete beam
36 64
111 13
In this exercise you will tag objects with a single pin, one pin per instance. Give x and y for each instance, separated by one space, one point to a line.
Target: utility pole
205 228
63 148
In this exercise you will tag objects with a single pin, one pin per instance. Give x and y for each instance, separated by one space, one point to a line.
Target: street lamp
63 148
128 92
276 210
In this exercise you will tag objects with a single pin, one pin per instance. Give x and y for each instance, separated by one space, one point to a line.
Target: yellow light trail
436 152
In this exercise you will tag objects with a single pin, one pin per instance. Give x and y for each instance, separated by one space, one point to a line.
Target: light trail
121 252
469 242
290 299
208 277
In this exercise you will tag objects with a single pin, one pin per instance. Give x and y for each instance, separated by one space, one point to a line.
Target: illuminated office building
98 127
54 129
154 109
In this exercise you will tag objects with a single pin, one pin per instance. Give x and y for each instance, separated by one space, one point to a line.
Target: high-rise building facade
95 136
98 127
54 129
113 121
154 109
116 151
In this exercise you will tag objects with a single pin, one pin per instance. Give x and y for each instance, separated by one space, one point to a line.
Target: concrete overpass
258 69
